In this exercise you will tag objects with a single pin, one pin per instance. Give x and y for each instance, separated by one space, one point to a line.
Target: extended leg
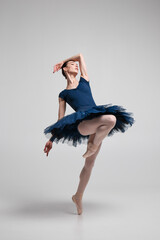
84 177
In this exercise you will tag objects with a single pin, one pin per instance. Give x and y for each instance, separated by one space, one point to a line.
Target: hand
57 66
48 147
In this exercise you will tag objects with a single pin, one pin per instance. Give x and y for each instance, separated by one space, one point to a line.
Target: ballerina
90 123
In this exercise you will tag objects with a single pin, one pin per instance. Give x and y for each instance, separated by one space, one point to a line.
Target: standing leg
84 177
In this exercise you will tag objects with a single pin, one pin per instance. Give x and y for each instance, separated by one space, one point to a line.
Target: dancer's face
72 67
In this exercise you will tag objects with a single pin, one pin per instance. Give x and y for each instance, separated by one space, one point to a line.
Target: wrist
51 139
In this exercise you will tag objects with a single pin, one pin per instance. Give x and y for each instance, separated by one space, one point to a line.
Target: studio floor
128 214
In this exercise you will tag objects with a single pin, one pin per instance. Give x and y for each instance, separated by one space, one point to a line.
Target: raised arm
82 65
83 68
73 58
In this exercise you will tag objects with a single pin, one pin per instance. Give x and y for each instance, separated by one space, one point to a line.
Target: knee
110 119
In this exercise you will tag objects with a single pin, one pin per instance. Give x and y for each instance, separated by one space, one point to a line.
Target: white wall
120 43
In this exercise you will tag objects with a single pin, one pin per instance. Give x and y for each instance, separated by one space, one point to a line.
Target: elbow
80 55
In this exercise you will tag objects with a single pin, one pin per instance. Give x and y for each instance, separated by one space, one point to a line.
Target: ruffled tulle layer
65 130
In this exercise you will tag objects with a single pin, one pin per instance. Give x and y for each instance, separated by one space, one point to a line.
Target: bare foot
78 203
91 149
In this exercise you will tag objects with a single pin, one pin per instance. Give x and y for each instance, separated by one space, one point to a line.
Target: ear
65 69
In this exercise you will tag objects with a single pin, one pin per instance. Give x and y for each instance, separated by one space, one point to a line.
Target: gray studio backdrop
120 44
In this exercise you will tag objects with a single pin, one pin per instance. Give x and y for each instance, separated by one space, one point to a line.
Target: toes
87 154
79 209
91 149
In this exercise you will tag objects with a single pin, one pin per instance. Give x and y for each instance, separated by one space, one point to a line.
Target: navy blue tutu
65 130
81 100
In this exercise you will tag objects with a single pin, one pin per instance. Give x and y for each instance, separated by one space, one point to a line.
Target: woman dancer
89 122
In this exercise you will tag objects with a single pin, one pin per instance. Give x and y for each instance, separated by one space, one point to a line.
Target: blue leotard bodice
79 98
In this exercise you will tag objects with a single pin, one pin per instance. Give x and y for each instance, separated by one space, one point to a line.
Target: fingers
47 149
57 67
54 69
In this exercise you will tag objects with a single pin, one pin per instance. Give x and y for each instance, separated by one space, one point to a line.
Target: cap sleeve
62 95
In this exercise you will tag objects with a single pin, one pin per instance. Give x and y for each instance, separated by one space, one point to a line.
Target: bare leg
95 128
84 177
101 126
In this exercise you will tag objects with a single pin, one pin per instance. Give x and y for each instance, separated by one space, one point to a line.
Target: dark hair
64 65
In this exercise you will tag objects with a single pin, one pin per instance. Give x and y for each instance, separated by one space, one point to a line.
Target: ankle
79 195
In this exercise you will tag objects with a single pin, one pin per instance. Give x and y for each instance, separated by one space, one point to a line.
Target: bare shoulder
85 77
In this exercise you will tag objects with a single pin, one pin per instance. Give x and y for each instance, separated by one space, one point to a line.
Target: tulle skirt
65 130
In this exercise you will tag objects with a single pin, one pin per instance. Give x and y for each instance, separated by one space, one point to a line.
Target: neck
71 79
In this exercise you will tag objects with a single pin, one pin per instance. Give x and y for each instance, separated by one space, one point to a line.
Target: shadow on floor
51 209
